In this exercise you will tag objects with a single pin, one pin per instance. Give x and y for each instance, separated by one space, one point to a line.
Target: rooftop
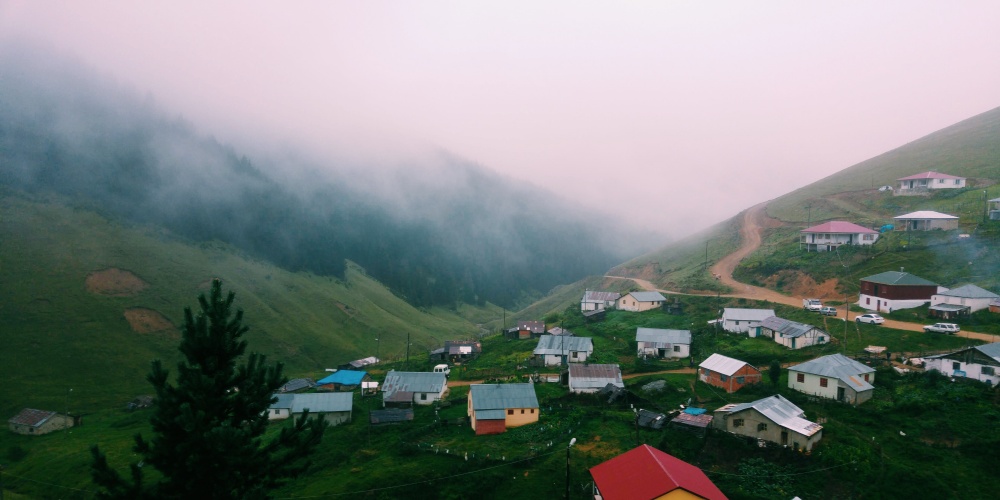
838 226
502 396
781 411
722 364
897 278
646 472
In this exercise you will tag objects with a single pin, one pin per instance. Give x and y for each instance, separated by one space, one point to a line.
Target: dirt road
753 221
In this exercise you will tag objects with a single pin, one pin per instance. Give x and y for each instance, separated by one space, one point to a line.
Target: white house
555 349
586 379
926 220
792 334
830 235
663 343
422 388
774 419
970 297
894 290
640 301
334 407
834 377
738 320
596 301
981 362
927 181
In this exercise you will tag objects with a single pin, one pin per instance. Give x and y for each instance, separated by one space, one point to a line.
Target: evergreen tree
208 428
774 372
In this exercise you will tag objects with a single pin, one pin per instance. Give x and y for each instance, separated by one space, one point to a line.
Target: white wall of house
880 304
675 350
973 304
812 337
278 413
822 242
738 326
974 371
596 306
813 385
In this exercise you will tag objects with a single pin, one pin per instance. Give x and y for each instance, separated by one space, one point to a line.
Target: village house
457 351
597 301
995 209
960 302
527 329
663 343
588 379
834 377
926 220
343 380
33 422
773 419
892 290
492 408
422 388
981 362
830 235
727 373
358 364
792 334
640 301
923 183
334 407
297 384
646 473
558 349
736 320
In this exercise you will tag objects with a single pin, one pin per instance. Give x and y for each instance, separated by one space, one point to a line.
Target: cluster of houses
893 290
764 323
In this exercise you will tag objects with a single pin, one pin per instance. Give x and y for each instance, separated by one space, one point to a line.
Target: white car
870 318
949 328
885 188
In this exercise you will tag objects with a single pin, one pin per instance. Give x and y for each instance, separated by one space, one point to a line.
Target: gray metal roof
948 307
502 396
839 367
970 292
648 296
319 402
414 382
662 335
563 344
491 414
735 313
786 327
533 326
723 364
897 278
594 376
781 411
991 350
600 297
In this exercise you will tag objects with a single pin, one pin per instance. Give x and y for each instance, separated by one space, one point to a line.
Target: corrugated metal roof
948 307
413 382
600 297
786 327
32 417
594 376
563 344
533 326
662 335
344 377
898 278
502 396
648 296
925 215
781 411
491 414
358 363
297 384
991 350
319 402
703 420
835 366
970 292
646 472
839 226
738 314
929 175
723 364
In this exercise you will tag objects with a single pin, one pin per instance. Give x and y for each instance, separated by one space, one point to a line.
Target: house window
800 378
955 365
677 348
723 378
866 377
761 427
988 370
510 412
739 380
958 182
737 422
705 372
822 338
423 396
868 301
822 382
522 411
532 411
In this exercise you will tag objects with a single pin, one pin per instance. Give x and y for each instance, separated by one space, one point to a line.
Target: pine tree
208 428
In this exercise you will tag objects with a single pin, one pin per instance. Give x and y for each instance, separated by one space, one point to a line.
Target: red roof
839 226
929 175
646 472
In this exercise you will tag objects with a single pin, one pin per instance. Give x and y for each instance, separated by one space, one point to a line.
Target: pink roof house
924 182
830 235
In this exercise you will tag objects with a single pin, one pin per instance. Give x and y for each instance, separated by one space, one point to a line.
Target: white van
442 369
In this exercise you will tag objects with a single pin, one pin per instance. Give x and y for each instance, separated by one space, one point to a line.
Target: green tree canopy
208 426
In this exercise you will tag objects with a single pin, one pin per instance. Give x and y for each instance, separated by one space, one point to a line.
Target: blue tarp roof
344 377
694 411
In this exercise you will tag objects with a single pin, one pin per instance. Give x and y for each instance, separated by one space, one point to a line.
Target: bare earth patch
114 282
144 320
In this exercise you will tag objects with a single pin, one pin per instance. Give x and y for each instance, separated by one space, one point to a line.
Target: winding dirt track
753 221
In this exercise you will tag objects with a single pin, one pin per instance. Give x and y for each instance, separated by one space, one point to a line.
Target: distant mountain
442 233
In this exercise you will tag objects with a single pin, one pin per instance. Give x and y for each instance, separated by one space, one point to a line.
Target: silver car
870 318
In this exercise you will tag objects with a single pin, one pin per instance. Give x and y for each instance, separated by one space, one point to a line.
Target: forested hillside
436 234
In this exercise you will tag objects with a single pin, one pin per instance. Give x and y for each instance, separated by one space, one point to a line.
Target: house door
840 394
784 438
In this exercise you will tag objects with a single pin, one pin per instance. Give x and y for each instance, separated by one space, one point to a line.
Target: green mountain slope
59 333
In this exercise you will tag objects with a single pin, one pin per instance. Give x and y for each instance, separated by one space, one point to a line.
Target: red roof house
830 235
925 181
646 473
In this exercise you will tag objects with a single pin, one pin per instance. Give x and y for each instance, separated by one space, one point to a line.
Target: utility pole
706 256
571 443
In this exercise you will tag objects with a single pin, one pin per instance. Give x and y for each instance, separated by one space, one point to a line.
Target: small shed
334 407
33 422
390 416
343 380
727 373
588 379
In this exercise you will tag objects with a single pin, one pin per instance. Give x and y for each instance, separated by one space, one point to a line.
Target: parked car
828 311
443 369
812 304
949 328
885 188
870 318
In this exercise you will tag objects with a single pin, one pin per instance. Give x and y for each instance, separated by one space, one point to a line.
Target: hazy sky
677 114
